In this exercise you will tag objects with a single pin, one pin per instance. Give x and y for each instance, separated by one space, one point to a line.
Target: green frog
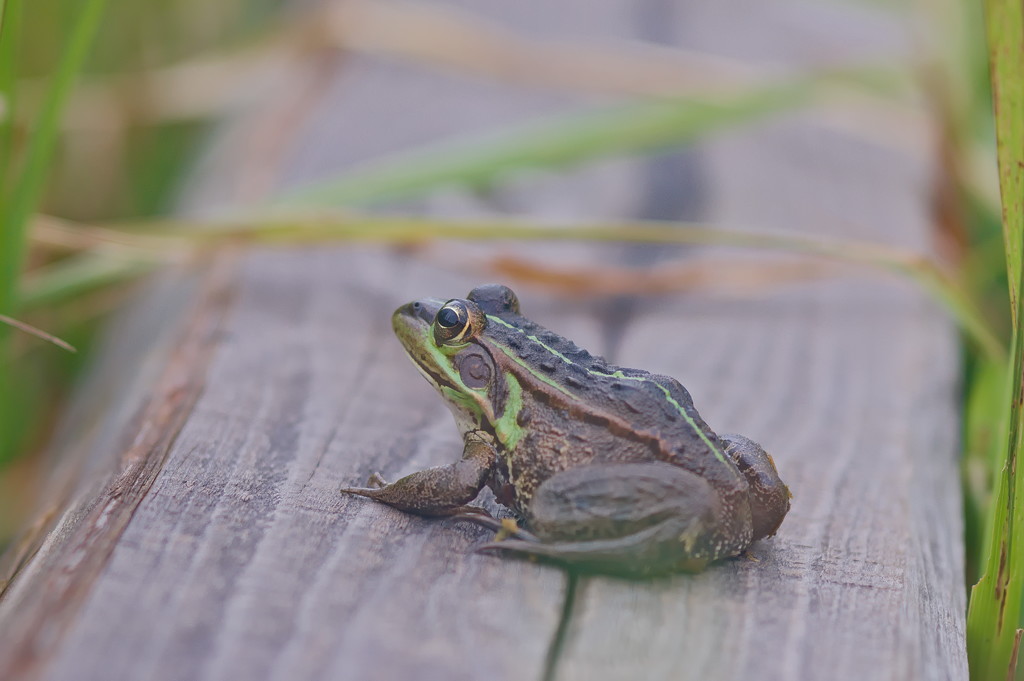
608 469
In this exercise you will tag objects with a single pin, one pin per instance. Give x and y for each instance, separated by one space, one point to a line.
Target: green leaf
78 275
21 202
18 203
559 141
994 613
10 31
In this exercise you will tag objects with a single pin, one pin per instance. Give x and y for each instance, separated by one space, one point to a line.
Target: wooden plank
269 572
111 451
862 581
237 558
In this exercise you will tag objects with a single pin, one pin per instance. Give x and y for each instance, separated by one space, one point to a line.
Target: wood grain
269 571
238 559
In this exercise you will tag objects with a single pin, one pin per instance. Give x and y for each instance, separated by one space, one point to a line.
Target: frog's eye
450 316
453 323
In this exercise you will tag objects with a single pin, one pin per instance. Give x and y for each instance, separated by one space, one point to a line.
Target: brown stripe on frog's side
618 426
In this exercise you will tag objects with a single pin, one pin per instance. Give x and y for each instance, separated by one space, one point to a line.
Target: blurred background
157 78
110 106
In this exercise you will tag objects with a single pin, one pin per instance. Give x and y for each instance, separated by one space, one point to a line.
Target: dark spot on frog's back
524 416
577 377
574 382
584 358
627 395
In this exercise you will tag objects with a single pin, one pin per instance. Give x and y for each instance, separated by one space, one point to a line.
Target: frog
604 468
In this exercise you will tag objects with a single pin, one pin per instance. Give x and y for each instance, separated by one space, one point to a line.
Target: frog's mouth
412 323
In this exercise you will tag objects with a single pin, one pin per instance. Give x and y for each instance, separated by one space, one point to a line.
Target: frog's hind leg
633 519
641 554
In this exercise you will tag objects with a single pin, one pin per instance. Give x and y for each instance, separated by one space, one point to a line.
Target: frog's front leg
443 490
633 519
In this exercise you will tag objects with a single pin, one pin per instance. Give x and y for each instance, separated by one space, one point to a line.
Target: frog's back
646 416
661 406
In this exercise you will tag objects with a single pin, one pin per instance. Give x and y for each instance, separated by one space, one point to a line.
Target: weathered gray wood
835 385
113 444
231 555
269 570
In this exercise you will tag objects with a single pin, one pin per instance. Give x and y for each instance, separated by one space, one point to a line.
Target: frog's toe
503 527
468 512
373 484
513 545
510 528
360 491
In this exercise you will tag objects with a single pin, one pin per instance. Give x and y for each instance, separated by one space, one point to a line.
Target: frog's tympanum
609 469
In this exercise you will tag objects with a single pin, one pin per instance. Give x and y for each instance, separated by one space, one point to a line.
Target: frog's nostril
423 309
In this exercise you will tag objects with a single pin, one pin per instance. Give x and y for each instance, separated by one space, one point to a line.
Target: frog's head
448 341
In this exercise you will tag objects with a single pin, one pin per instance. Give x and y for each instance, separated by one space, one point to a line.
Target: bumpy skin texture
611 469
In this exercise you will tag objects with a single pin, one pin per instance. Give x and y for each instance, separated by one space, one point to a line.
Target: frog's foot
633 519
399 498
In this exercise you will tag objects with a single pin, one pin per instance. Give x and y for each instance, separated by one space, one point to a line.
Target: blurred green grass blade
325 227
10 25
77 276
556 142
994 612
984 440
18 203
21 202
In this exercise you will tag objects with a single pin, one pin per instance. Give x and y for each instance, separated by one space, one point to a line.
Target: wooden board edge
87 541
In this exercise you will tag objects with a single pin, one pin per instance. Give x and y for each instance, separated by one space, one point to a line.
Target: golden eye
452 323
